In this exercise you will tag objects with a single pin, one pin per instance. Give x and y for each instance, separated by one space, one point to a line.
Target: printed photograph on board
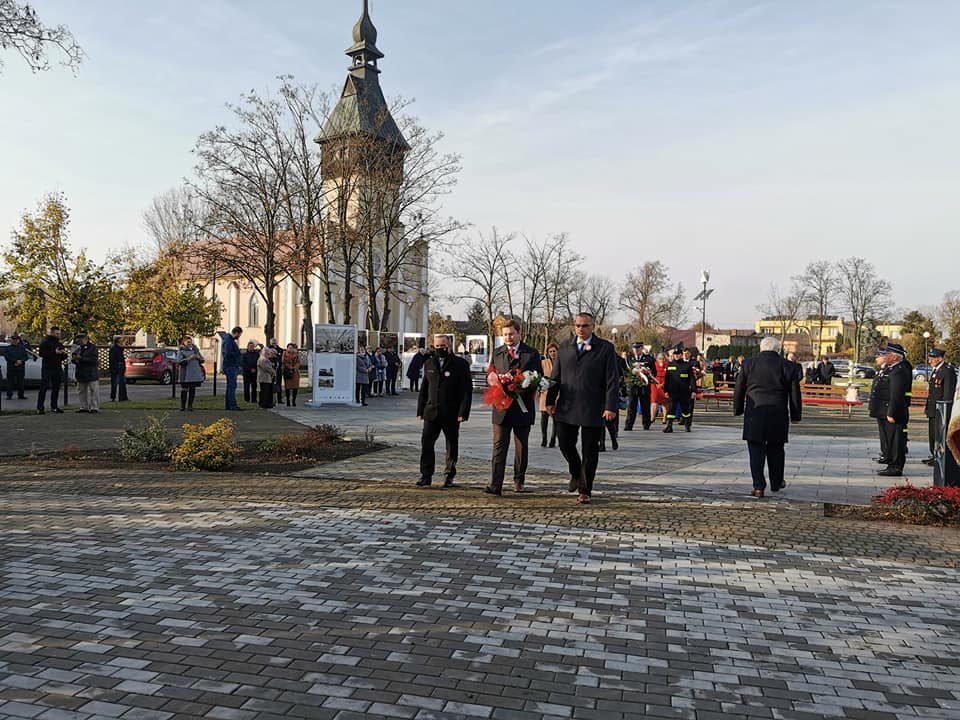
334 340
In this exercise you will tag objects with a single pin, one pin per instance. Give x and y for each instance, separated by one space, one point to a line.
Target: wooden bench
829 395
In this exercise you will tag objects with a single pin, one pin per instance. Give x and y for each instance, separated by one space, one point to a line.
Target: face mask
441 352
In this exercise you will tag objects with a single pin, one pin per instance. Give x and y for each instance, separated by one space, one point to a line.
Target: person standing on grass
190 364
266 376
230 364
86 358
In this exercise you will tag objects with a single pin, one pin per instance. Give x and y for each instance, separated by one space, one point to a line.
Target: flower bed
908 504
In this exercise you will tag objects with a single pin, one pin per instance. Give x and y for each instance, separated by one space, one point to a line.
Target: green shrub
149 443
206 448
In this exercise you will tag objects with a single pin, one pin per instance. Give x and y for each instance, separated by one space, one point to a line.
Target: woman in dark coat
248 364
413 370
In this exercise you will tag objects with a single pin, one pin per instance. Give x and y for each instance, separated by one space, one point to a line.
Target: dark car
151 364
922 372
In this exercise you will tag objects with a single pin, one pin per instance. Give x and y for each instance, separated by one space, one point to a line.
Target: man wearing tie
516 420
443 403
584 395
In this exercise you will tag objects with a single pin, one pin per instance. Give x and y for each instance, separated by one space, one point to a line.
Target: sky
746 138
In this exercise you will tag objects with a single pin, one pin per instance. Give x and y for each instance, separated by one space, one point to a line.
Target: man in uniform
679 387
443 403
892 407
636 393
874 405
942 386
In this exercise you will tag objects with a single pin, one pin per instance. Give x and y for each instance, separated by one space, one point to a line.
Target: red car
151 364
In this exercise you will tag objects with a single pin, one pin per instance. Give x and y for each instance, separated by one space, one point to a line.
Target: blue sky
745 137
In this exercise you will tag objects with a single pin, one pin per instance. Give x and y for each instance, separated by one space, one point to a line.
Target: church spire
364 50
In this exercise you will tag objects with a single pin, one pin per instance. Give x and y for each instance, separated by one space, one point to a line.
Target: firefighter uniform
679 386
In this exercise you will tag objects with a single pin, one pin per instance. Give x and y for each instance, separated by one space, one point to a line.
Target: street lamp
926 373
614 331
702 297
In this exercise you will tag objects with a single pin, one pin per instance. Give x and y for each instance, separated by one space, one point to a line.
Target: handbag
288 373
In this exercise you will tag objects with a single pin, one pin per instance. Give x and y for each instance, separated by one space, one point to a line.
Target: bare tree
240 180
822 288
648 294
22 31
477 265
400 218
560 283
863 295
594 294
784 308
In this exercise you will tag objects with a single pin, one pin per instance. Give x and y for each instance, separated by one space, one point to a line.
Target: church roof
362 109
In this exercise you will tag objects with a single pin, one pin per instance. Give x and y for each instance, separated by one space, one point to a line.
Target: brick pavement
347 593
119 607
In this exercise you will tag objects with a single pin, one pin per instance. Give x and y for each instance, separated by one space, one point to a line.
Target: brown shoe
517 487
583 498
757 493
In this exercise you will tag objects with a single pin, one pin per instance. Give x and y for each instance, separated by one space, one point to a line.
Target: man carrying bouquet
516 417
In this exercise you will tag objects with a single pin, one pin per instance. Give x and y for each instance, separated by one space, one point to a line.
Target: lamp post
926 337
702 297
613 332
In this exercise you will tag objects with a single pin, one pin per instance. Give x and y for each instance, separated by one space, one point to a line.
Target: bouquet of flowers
507 388
640 375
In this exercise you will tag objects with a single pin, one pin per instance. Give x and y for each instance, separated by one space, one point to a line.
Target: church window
254 311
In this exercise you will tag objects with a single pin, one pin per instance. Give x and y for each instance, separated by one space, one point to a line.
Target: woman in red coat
658 398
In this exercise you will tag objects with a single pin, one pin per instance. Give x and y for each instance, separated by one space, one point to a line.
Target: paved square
122 607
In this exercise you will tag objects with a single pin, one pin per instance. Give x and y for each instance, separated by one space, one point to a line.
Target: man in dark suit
443 403
516 420
768 396
584 396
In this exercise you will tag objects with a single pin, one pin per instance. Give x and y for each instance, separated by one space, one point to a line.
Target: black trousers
582 469
250 387
773 455
680 408
544 422
501 445
391 381
428 438
894 435
635 395
15 375
361 393
266 395
49 381
884 449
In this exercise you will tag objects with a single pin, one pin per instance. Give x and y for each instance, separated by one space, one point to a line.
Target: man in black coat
86 358
16 355
517 419
890 405
443 403
637 393
942 386
393 369
118 371
52 356
826 371
768 396
584 395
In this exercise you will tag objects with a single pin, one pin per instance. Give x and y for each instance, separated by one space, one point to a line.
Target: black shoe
890 472
448 483
668 428
573 486
81 410
628 429
183 409
777 488
543 444
881 460
552 444
93 412
687 426
490 491
929 461
364 404
424 481
614 444
602 448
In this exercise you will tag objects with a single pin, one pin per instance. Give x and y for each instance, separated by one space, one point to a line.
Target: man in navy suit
515 420
584 395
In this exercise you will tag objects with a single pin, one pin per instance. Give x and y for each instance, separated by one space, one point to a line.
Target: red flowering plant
509 387
920 505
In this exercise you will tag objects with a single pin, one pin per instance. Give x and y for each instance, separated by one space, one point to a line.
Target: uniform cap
935 352
892 348
637 346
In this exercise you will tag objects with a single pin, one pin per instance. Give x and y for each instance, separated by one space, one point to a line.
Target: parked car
922 372
843 368
151 364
